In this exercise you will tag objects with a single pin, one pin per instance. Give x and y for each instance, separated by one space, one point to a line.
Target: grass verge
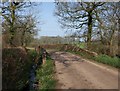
105 59
45 75
115 62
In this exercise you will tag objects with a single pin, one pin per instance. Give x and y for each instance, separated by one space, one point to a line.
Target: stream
32 84
32 78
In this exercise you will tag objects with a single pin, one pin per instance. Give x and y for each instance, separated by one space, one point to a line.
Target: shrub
15 67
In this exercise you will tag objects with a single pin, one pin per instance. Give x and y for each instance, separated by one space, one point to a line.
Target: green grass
115 62
105 59
32 55
45 75
81 45
84 55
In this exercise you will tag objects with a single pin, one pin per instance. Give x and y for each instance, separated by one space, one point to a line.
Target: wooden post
66 48
37 49
44 58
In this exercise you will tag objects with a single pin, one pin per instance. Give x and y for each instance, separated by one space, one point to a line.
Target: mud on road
74 72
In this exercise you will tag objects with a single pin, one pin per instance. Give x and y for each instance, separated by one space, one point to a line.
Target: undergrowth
16 67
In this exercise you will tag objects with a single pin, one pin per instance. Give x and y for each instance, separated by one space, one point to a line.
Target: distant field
81 45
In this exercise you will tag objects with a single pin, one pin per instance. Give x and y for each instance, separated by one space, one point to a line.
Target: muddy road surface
74 72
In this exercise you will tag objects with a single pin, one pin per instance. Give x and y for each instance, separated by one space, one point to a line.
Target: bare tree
28 29
10 14
109 25
78 15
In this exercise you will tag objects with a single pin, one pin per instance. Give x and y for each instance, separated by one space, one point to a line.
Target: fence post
44 57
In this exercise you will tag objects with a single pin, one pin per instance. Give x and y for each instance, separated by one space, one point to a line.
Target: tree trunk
22 38
111 44
12 27
119 36
111 48
89 30
11 38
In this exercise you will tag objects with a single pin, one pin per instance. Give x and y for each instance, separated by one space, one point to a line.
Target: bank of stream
32 84
41 76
